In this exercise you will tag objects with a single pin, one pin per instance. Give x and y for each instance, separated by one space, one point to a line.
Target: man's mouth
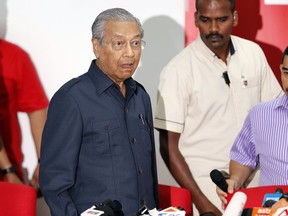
127 65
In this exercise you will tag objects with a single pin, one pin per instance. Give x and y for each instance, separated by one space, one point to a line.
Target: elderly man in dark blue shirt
98 140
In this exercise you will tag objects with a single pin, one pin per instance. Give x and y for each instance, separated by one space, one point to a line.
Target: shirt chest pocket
104 138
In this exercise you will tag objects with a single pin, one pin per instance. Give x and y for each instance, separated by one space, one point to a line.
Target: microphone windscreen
117 204
279 190
109 203
106 209
218 178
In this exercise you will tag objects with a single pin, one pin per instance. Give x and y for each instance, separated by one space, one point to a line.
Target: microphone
280 207
272 198
108 211
170 211
107 208
218 178
226 78
236 204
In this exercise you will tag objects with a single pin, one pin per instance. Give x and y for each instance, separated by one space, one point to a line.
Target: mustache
286 89
214 35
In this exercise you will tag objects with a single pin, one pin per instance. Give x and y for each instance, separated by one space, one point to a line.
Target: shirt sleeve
60 147
172 100
243 150
30 93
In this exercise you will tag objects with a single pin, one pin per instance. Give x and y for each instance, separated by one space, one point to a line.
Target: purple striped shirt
263 139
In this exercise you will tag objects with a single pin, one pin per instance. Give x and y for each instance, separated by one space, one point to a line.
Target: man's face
284 74
119 54
215 22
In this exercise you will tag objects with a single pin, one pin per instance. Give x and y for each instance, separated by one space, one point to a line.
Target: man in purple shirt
262 142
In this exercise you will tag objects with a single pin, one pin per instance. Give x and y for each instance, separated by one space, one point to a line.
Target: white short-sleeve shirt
194 100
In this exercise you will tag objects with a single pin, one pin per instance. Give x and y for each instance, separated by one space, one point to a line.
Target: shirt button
126 109
133 140
140 170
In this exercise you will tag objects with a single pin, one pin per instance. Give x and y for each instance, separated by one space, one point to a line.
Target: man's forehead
118 28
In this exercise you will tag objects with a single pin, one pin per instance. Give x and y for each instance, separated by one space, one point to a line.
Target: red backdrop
265 24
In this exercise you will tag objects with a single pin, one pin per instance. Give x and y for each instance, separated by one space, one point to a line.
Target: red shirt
20 91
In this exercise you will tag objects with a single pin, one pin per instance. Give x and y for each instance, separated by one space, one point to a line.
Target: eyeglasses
119 45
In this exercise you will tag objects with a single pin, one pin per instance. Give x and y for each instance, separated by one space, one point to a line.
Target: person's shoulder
182 58
10 47
186 52
242 42
139 85
142 89
73 83
270 104
238 39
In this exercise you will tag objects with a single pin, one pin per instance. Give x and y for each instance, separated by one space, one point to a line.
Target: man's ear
96 45
196 19
235 18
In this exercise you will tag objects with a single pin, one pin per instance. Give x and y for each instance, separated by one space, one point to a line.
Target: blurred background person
20 91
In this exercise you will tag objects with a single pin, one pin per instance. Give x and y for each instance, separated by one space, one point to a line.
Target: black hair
232 2
285 53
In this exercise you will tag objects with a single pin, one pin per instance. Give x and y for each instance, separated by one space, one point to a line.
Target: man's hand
34 182
223 195
205 207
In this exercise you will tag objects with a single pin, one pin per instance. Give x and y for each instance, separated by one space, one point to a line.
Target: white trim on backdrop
276 2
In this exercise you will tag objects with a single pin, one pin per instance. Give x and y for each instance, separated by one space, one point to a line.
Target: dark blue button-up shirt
95 142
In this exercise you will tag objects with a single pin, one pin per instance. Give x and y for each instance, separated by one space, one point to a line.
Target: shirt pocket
247 94
104 138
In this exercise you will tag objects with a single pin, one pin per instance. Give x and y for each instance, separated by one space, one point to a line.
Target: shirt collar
103 82
202 46
282 102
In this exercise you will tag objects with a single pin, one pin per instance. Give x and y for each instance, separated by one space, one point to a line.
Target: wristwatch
11 169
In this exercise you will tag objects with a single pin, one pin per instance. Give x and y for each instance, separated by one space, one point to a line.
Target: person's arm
6 165
37 120
60 147
239 173
179 169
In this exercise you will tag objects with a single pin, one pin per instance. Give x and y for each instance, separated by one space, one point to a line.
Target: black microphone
108 211
218 178
226 78
115 206
118 208
271 198
107 208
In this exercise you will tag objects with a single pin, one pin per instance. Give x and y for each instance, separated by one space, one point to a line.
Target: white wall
57 35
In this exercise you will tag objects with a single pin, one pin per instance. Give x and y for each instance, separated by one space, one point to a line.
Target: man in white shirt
205 93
